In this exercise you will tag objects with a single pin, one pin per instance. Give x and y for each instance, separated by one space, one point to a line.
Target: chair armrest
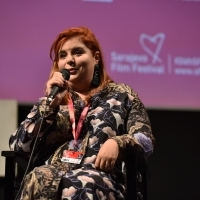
11 154
16 157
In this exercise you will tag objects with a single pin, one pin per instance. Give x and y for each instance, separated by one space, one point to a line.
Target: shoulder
123 88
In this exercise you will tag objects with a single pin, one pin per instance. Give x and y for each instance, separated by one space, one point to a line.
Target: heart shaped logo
152 45
100 0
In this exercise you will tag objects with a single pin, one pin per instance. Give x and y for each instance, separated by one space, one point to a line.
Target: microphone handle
66 75
54 92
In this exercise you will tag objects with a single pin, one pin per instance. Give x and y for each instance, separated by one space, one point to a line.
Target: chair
136 175
15 166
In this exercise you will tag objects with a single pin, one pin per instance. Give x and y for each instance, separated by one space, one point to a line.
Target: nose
70 60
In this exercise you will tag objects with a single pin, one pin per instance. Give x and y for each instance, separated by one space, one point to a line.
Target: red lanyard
76 130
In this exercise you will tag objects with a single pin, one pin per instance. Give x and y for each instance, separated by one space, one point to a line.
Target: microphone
66 74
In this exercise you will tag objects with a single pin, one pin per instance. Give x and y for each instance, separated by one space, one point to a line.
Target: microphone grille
65 73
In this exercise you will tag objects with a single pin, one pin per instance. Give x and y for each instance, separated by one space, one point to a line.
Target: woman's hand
57 79
107 155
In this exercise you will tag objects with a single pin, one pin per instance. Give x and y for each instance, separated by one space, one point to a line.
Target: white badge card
71 156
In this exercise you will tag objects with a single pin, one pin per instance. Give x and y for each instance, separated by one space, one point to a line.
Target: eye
78 51
62 54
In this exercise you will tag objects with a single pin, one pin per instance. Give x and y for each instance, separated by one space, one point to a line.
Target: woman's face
78 59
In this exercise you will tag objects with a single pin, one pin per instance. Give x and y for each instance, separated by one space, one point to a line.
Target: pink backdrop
154 46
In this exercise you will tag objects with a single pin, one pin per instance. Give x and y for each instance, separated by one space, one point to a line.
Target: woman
85 128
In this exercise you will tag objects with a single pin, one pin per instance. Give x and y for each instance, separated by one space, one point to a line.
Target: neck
80 86
82 95
86 91
83 91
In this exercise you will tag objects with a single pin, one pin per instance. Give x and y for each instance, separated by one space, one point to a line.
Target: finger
58 76
103 165
58 99
108 166
100 163
97 162
55 81
112 164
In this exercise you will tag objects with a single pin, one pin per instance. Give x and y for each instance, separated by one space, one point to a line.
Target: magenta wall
153 46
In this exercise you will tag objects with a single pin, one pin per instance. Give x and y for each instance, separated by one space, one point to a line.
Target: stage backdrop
153 46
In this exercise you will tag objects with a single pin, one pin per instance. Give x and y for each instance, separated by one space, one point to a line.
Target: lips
72 70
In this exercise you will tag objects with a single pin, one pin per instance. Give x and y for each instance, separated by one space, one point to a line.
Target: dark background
174 167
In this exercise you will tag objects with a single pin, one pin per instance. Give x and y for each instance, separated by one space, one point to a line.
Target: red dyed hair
88 38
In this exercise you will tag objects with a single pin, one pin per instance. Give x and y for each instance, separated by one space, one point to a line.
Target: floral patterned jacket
115 112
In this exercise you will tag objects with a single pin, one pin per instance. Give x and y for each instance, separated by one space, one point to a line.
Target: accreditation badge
71 156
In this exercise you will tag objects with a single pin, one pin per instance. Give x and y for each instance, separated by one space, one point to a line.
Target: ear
97 56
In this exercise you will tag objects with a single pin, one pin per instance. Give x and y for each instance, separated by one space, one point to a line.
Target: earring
96 76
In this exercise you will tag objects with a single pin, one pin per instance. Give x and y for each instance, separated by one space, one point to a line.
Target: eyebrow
61 51
73 49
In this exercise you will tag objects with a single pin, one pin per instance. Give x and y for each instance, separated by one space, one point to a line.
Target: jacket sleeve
138 126
23 138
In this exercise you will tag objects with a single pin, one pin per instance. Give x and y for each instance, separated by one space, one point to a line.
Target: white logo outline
104 1
156 39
